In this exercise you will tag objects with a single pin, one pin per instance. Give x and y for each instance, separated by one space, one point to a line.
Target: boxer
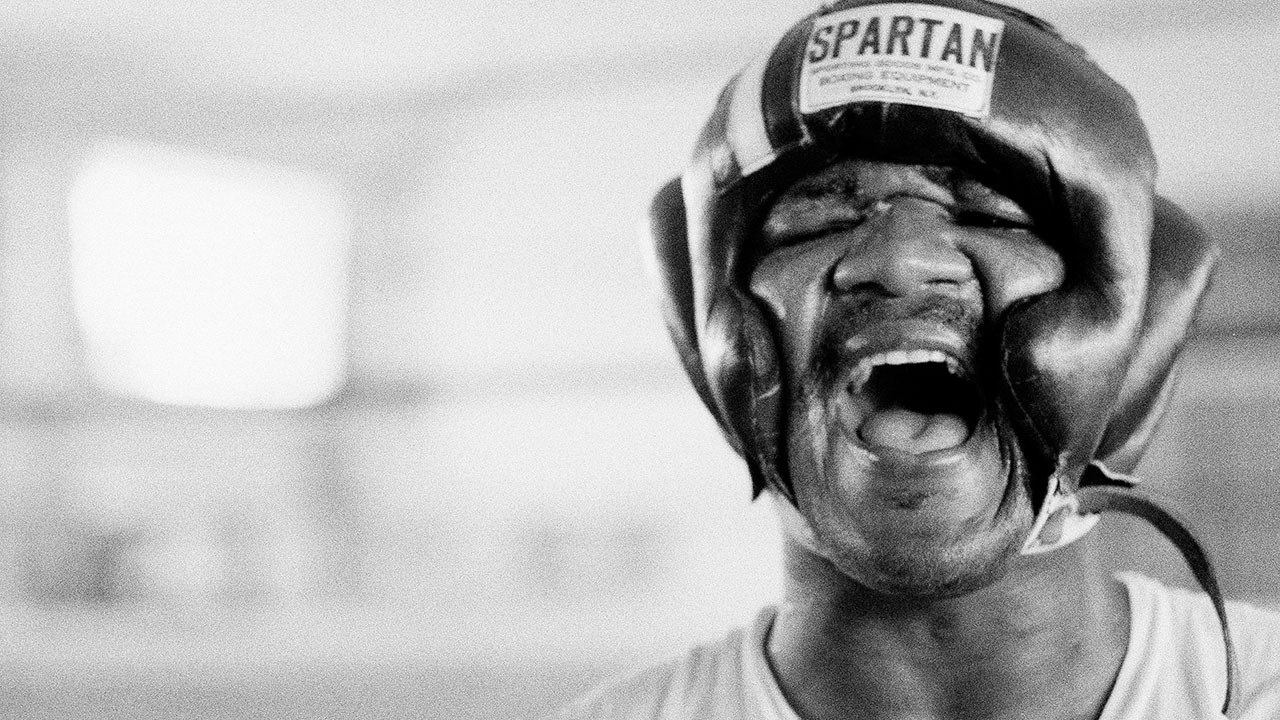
918 272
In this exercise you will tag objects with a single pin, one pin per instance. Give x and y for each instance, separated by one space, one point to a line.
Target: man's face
885 282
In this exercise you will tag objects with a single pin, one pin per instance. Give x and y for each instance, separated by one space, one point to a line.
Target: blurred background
331 387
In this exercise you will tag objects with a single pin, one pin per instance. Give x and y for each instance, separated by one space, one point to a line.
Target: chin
917 553
926 570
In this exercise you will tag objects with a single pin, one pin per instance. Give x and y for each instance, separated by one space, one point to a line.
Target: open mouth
916 401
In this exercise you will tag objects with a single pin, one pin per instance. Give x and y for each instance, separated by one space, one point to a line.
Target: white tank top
1173 669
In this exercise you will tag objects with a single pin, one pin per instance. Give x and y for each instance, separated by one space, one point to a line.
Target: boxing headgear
1086 368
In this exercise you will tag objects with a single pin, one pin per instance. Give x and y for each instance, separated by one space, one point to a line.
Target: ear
1182 264
720 335
667 252
1065 353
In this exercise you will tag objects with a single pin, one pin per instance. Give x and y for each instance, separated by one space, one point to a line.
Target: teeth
907 357
953 366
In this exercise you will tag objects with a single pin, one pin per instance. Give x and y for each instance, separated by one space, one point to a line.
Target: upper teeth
905 357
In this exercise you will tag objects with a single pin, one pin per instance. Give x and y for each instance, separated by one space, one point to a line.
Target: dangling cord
1118 497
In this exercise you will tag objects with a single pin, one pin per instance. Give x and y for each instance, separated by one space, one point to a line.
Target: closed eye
800 236
985 220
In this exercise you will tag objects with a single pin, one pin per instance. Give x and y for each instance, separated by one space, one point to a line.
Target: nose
906 245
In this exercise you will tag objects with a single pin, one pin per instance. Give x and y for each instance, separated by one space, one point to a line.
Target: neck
1044 641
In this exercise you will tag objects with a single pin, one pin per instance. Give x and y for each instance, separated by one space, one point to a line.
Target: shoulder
705 683
1256 632
1175 648
1188 618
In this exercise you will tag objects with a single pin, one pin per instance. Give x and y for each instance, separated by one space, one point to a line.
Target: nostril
862 289
957 282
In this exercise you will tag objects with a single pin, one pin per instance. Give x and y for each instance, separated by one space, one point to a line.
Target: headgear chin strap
1086 368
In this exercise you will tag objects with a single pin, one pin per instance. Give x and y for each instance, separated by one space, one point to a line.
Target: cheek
831 494
791 282
1014 267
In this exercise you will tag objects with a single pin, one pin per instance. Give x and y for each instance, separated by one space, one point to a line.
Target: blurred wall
511 491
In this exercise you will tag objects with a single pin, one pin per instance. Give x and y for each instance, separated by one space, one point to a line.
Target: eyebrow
845 185
814 187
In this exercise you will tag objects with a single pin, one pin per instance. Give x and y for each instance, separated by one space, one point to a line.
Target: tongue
912 431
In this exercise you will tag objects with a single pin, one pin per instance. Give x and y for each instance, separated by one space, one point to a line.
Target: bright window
208 280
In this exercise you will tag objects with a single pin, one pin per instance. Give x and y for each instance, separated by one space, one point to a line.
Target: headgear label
906 53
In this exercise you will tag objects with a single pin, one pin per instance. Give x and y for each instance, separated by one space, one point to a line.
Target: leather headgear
1087 368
